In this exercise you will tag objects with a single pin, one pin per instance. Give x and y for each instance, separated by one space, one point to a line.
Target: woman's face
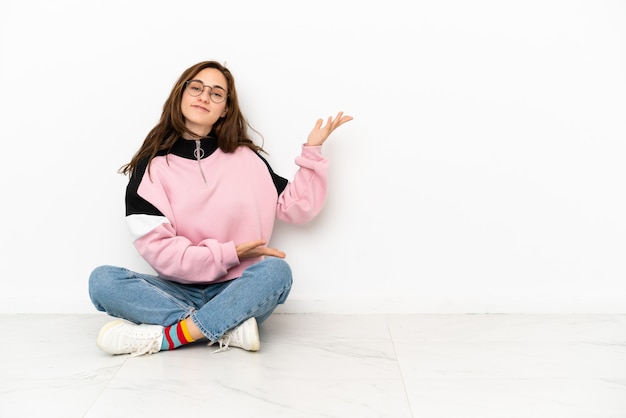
201 112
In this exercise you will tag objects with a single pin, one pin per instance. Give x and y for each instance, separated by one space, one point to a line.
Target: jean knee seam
185 307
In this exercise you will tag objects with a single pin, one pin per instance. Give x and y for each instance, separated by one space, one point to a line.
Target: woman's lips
204 109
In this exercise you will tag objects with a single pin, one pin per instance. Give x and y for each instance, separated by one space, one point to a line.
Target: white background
483 171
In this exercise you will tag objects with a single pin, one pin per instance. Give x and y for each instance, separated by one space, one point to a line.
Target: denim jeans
213 308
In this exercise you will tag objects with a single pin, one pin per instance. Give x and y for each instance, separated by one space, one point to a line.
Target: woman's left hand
320 133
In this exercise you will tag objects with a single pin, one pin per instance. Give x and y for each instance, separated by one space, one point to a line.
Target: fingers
339 120
275 253
253 249
332 123
320 133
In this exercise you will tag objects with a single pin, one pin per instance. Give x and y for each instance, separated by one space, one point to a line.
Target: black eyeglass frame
204 86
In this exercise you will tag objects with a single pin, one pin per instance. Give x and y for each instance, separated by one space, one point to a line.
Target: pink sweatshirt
187 215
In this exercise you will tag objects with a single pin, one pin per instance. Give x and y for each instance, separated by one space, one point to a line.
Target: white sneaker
120 337
245 335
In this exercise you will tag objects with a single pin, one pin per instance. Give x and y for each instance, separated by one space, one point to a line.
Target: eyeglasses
196 88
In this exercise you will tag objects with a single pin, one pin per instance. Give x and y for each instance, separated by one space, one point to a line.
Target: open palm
320 133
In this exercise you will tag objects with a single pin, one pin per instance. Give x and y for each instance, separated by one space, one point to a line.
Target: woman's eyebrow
205 84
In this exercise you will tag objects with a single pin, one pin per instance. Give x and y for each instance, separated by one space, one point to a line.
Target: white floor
432 366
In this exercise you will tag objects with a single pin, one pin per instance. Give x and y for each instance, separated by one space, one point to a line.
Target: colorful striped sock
176 335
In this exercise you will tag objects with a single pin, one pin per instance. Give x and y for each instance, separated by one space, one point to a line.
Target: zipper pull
199 153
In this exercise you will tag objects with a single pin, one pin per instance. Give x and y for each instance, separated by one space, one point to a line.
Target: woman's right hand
254 249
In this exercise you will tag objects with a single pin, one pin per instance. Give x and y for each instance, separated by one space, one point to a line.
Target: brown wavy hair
231 131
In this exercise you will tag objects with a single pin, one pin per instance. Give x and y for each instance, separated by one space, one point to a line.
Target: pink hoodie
187 216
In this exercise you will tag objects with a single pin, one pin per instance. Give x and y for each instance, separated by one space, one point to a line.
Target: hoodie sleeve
303 198
173 257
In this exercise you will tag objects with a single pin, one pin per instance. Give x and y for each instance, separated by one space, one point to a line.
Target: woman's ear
224 112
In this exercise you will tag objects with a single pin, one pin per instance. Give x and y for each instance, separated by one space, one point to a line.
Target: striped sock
176 335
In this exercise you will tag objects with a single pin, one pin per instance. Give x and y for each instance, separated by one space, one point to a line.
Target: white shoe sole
251 330
104 330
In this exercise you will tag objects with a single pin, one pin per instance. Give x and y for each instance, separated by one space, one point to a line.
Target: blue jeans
213 308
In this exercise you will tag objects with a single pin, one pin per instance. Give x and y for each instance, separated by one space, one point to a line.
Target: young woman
200 205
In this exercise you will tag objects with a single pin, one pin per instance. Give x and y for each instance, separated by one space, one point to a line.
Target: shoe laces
143 343
234 337
224 341
145 347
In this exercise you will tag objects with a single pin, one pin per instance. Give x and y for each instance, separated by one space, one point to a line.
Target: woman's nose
206 98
